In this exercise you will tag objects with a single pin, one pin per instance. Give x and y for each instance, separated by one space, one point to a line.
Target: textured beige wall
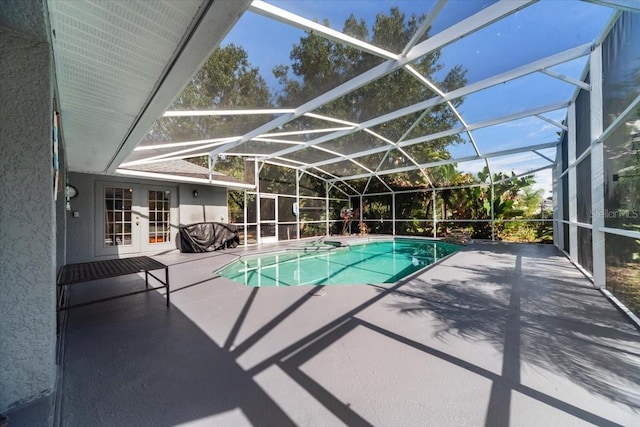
27 222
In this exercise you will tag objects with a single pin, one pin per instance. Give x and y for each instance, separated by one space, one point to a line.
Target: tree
319 64
226 81
529 200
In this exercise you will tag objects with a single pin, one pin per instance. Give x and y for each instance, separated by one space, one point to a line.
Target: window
159 213
117 216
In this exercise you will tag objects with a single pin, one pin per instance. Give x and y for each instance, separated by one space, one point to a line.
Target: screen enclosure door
268 219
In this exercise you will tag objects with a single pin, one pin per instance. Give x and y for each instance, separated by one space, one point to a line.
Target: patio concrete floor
495 335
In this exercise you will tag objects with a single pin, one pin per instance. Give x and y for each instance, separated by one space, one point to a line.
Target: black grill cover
208 237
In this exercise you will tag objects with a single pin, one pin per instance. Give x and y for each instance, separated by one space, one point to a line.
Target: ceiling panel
108 57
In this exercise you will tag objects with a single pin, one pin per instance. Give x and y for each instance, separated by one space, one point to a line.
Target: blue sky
545 28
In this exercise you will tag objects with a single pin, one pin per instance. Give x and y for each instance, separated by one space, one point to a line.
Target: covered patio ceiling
518 64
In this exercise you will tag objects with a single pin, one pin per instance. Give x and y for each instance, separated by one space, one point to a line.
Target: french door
132 218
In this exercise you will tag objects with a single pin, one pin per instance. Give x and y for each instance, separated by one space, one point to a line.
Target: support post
393 213
298 175
433 211
326 207
361 213
558 197
256 176
597 171
493 213
573 209
246 227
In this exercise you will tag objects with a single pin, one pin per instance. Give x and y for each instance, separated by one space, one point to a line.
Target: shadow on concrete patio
534 312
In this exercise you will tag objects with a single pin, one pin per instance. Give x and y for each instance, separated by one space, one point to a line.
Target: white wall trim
177 178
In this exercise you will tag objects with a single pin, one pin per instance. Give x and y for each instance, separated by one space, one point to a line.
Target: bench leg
166 280
146 279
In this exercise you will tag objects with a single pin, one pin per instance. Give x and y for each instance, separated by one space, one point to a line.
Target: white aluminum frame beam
558 197
277 140
188 151
467 26
441 94
460 160
173 177
567 79
392 146
407 133
166 159
200 142
544 157
360 165
305 132
334 178
213 113
424 27
454 131
628 5
620 120
556 59
269 11
553 122
573 194
632 234
531 172
452 107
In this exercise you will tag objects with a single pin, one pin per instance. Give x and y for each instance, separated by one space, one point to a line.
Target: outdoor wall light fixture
70 192
195 193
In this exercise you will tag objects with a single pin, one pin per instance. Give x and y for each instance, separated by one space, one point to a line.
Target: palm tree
529 200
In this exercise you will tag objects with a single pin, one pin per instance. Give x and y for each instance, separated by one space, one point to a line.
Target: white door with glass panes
132 218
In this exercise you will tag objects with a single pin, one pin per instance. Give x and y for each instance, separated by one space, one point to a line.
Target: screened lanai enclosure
506 120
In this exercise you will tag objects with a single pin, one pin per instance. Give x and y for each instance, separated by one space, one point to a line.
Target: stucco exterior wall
210 205
27 221
80 230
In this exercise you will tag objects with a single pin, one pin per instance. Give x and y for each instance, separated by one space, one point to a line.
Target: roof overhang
192 180
119 66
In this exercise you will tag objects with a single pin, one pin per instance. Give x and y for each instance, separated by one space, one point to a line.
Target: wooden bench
87 271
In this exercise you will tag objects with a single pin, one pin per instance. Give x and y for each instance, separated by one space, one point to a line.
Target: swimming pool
373 262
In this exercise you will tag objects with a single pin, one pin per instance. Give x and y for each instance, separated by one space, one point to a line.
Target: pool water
367 263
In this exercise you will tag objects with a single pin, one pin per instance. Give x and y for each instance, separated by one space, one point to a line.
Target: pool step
321 246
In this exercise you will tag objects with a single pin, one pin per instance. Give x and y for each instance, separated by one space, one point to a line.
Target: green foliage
518 232
235 203
319 65
529 200
228 81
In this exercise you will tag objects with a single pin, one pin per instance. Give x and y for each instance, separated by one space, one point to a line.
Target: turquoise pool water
367 263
